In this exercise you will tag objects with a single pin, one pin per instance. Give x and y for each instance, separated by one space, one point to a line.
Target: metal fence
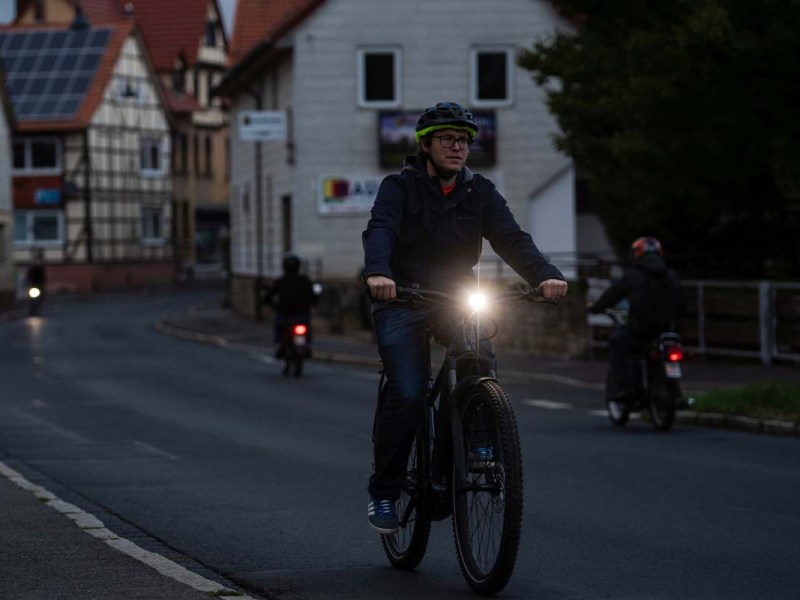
748 319
758 319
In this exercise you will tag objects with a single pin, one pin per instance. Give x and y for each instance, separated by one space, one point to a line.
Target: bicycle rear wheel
406 547
487 507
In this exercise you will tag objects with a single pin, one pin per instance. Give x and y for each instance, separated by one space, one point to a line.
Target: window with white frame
152 225
378 70
36 155
38 227
150 160
492 81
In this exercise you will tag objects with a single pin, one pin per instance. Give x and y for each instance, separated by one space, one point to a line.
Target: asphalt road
210 457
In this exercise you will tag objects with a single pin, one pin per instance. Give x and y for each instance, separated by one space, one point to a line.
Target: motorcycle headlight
34 292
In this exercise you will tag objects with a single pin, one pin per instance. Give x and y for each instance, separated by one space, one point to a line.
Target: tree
684 114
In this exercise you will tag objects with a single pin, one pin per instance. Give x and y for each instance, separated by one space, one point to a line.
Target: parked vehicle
466 459
657 372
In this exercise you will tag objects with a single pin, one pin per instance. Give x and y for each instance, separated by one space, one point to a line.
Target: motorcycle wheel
618 412
664 395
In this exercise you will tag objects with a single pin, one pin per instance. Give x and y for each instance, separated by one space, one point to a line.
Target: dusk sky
226 6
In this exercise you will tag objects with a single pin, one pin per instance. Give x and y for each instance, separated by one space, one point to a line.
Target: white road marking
93 526
550 404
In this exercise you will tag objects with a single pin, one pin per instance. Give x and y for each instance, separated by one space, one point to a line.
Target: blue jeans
402 334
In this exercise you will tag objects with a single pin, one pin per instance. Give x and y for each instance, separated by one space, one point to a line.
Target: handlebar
516 291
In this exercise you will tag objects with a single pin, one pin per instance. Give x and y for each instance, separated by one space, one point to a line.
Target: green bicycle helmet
446 115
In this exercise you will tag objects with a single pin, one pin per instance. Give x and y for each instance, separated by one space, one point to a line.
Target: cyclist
292 296
656 302
426 229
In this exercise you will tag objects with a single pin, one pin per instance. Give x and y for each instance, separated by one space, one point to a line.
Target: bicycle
466 459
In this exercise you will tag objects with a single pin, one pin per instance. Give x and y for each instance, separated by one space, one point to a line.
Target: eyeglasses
447 141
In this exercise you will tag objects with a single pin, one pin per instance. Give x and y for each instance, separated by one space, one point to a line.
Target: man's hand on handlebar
381 288
553 289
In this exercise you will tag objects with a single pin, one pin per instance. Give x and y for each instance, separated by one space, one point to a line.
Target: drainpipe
258 285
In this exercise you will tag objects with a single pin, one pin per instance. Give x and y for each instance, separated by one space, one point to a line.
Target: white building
351 77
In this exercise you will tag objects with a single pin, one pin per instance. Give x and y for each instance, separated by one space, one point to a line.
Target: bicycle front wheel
487 506
406 547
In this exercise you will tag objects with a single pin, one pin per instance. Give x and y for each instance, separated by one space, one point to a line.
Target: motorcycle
657 372
295 346
34 300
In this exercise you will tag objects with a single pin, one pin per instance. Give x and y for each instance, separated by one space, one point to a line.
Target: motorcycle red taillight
675 354
300 329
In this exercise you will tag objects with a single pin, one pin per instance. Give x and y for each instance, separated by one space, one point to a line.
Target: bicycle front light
478 300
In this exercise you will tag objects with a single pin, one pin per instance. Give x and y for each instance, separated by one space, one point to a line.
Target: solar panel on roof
48 73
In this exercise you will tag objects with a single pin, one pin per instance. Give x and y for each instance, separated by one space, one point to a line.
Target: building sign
262 126
348 194
47 196
397 138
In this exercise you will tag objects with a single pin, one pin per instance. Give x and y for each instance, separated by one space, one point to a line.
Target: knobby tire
487 522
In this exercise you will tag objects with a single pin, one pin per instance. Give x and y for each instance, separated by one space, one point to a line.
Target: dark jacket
416 234
657 301
35 276
293 295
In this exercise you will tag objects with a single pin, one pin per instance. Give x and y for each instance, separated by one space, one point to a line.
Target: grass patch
761 401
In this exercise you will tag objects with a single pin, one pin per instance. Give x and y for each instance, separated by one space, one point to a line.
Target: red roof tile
97 11
258 19
171 28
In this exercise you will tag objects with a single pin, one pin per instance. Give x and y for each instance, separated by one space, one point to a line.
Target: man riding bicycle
426 230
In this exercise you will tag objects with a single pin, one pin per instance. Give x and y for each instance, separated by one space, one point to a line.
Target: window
379 77
152 225
38 227
492 77
127 89
37 155
150 162
179 79
211 34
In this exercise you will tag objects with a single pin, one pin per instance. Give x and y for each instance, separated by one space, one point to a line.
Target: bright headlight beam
478 300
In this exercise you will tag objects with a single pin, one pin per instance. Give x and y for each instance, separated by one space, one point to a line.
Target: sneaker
382 515
481 458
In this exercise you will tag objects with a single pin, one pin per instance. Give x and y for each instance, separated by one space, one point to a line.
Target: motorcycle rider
656 301
292 295
36 278
426 229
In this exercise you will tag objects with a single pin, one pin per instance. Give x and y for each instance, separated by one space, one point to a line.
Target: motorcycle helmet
645 245
291 264
446 115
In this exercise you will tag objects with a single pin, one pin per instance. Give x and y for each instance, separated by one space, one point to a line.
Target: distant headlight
34 292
